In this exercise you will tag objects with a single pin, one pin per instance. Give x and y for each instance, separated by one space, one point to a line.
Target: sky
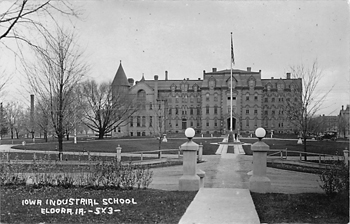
187 37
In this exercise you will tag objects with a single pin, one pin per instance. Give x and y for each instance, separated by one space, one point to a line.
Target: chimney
156 77
249 69
188 78
342 107
203 72
131 81
288 75
199 78
271 77
214 69
166 75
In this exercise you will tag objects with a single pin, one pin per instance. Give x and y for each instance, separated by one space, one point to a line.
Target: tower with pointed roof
120 82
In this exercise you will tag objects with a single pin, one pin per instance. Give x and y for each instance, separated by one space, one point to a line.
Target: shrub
335 180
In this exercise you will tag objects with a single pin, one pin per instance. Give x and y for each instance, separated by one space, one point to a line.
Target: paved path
225 197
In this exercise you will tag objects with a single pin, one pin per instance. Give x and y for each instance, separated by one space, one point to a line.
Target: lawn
128 145
153 206
301 208
326 147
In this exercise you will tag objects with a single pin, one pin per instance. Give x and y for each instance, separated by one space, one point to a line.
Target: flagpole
231 87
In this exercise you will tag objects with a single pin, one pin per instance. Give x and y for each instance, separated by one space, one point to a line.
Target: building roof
120 78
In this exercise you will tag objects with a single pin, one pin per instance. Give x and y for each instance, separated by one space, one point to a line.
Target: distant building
326 123
204 103
344 121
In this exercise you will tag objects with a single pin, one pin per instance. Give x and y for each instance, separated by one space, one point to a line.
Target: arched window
215 97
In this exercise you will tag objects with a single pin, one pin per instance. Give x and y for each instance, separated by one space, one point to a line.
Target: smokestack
288 75
32 114
131 81
166 75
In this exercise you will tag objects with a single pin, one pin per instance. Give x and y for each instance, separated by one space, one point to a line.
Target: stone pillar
200 152
346 156
259 182
119 154
189 181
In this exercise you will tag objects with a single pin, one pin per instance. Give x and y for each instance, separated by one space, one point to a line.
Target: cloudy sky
187 37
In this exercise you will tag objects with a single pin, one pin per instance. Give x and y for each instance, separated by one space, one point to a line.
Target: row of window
141 121
280 99
280 112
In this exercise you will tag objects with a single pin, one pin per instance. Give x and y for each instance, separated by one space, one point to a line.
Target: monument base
231 137
189 183
259 184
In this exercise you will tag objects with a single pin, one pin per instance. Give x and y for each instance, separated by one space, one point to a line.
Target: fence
283 154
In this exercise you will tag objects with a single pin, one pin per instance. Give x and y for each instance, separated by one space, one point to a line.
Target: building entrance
233 124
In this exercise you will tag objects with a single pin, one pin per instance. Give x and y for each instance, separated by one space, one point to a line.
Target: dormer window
251 82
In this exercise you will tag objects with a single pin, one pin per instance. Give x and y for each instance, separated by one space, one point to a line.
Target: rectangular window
131 121
247 98
255 98
207 110
159 106
138 121
131 133
138 133
191 111
273 112
273 100
266 100
266 113
143 121
198 111
247 112
215 110
191 123
216 123
170 111
207 123
150 106
119 129
247 123
255 111
150 121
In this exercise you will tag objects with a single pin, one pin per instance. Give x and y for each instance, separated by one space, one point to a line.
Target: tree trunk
101 133
67 135
159 146
45 136
60 147
305 156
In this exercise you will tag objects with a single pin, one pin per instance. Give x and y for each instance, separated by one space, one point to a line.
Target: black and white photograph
184 111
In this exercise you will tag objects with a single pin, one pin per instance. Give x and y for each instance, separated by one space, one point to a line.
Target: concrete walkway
225 197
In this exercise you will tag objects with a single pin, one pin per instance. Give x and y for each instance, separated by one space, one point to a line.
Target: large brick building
204 103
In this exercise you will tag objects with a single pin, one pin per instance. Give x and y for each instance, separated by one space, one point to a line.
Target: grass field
128 145
301 208
153 206
326 147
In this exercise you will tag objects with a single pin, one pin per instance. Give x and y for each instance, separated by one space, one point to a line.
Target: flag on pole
232 54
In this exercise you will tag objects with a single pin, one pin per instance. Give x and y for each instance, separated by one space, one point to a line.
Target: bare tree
307 99
12 111
104 110
158 122
54 75
20 17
